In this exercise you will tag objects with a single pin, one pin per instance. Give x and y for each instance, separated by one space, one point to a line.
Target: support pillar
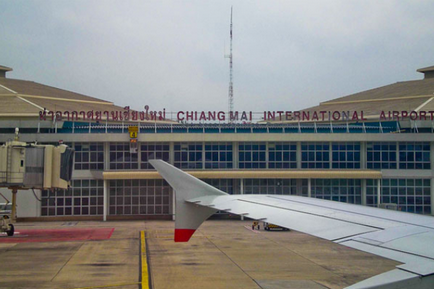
363 155
172 153
432 179
432 196
298 155
242 192
363 189
14 205
105 200
309 188
378 192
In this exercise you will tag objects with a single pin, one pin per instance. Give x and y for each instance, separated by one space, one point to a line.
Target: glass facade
84 198
315 155
88 156
381 155
149 151
410 195
225 185
341 190
218 155
414 155
121 158
139 197
270 186
154 197
304 188
282 155
346 155
252 155
188 155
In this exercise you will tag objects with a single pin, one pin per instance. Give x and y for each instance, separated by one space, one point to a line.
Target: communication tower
231 84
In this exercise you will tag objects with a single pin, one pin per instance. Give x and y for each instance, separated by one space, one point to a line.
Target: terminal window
89 156
252 155
346 155
139 197
188 155
410 195
381 155
315 155
218 155
282 155
85 197
121 158
340 190
270 186
414 155
225 185
149 151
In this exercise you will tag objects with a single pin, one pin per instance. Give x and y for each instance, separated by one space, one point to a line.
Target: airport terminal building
374 148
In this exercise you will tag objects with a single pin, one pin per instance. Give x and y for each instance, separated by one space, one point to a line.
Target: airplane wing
404 237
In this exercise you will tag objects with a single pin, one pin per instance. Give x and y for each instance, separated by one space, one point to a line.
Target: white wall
27 205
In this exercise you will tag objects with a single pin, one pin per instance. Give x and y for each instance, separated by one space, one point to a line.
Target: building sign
233 116
133 131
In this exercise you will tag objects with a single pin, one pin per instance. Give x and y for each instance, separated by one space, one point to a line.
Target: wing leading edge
404 237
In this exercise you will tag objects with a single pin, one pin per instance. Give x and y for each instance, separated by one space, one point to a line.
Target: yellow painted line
145 272
109 286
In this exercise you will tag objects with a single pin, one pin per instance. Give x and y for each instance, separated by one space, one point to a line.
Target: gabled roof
397 91
401 96
5 68
426 69
34 89
25 99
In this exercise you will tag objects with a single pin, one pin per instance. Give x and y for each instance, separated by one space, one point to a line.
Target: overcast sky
288 55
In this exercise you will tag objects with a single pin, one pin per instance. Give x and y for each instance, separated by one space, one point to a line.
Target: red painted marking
183 235
57 235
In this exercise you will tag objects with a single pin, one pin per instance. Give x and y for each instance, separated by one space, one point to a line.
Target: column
299 189
235 161
14 205
298 154
203 155
432 179
242 192
363 183
172 153
363 156
309 188
378 192
105 200
267 159
106 156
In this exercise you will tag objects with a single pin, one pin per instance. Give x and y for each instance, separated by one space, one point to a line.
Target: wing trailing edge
196 201
189 216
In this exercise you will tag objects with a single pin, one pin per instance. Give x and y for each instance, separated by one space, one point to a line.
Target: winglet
183 235
188 216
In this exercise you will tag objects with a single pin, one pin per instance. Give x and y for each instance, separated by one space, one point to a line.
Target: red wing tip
183 235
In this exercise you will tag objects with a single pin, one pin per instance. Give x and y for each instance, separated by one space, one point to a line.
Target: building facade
372 162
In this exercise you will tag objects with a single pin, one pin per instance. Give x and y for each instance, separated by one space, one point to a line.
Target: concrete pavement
221 254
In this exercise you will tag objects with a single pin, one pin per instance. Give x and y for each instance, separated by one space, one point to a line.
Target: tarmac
142 254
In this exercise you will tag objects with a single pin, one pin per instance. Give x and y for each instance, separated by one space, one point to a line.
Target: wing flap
395 279
404 237
307 222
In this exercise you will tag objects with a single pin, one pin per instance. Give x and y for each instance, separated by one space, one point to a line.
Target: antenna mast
231 85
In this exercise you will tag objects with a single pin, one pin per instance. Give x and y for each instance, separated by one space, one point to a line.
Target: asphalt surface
221 254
